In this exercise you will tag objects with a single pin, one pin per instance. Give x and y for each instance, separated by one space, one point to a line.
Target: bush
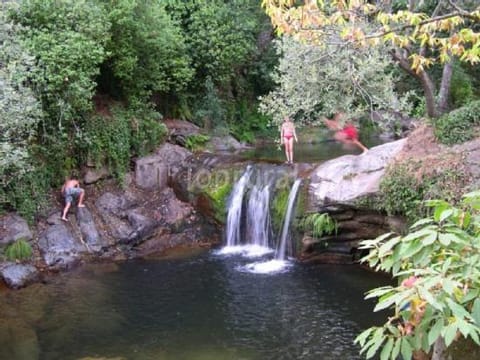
112 140
319 224
19 250
458 126
407 185
196 142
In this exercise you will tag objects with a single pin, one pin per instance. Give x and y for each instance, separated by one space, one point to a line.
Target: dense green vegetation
437 299
88 82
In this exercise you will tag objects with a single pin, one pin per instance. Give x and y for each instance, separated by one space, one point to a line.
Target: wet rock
59 248
18 275
12 228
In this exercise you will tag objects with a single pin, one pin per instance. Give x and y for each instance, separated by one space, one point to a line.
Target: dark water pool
191 308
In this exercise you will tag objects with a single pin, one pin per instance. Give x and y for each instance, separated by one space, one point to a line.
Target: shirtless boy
70 190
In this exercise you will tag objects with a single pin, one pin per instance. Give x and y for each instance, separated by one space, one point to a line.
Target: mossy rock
212 192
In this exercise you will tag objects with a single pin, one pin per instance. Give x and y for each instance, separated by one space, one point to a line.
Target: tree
313 79
147 50
19 109
417 33
438 300
67 39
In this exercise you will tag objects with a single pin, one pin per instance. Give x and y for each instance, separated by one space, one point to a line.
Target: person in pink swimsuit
347 134
287 134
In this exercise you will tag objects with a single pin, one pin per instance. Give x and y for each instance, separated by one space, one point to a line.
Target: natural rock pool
201 306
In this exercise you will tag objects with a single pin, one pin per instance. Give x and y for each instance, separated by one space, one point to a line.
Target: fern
19 250
319 224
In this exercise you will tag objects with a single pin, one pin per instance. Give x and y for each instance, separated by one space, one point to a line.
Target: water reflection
200 307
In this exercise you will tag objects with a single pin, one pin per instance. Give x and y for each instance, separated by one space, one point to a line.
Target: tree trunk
444 92
401 57
439 350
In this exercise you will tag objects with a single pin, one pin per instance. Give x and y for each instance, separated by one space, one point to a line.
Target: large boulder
346 179
18 275
88 229
12 228
154 171
59 248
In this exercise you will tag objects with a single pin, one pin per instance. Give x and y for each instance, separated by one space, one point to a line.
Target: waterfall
258 216
281 252
234 215
249 227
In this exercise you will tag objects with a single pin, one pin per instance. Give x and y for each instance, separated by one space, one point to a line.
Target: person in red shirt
347 133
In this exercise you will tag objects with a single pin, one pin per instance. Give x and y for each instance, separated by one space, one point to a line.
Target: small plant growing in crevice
19 250
196 142
319 224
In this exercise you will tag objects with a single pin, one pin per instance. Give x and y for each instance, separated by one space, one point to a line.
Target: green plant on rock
439 302
279 207
319 224
196 142
219 195
19 250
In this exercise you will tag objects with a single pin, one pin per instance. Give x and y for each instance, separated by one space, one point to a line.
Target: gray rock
93 175
114 204
18 275
12 228
90 235
59 247
348 178
154 171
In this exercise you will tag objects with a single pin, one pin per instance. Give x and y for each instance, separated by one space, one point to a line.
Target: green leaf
406 349
378 340
387 349
445 214
449 333
396 348
476 311
360 339
435 331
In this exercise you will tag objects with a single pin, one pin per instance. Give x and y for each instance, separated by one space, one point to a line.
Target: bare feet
64 219
81 205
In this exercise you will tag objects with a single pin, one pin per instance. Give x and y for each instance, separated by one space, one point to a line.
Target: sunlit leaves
441 303
449 32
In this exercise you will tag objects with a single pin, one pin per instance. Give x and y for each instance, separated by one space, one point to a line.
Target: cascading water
258 216
234 215
281 252
251 233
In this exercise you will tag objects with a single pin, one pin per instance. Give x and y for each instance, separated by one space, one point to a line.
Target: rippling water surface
200 307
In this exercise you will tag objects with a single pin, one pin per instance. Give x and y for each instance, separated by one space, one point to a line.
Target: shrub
319 224
19 250
408 184
458 126
196 142
439 302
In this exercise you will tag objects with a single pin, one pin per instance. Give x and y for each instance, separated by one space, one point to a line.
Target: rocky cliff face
142 218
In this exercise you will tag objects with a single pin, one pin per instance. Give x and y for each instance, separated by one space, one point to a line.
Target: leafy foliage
147 49
19 250
319 224
112 140
442 303
417 34
458 125
196 142
68 39
313 79
408 184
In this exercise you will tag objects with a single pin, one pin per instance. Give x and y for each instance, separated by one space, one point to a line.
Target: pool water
196 307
